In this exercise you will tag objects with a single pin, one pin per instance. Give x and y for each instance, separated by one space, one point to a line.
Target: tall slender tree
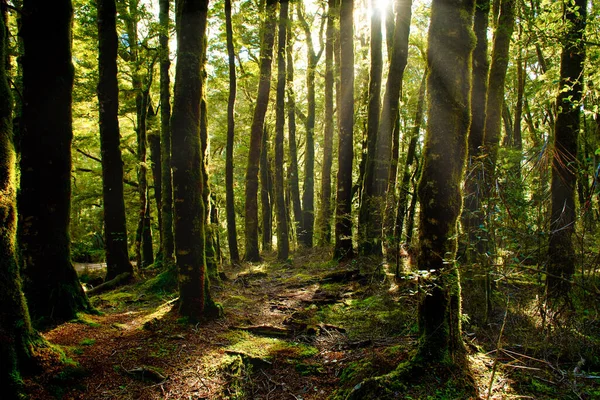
448 117
283 245
324 220
256 131
561 253
115 227
343 225
369 230
166 202
188 185
51 284
234 254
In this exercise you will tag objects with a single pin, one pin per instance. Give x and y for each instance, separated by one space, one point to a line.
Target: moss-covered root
417 378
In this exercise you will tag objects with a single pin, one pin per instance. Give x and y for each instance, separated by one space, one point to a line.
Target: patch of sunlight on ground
481 366
156 315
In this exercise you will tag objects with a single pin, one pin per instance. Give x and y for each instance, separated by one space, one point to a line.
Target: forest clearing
308 330
299 199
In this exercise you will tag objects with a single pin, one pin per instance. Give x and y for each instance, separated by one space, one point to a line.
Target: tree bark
343 226
561 253
283 246
256 132
188 185
234 253
369 234
265 194
15 326
324 220
451 43
115 227
51 284
168 242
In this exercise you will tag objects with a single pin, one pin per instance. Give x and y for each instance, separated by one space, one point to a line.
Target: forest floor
308 329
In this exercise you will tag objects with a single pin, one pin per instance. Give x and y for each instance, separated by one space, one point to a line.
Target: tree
194 296
283 245
51 284
444 154
561 253
343 224
234 254
369 228
15 326
115 229
308 195
324 220
256 132
166 201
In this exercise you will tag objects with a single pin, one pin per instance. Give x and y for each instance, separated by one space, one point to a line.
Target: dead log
112 284
265 330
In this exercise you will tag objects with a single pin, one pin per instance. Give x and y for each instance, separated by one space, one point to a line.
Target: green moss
165 282
87 342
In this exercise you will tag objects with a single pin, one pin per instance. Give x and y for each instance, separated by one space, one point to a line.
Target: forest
287 199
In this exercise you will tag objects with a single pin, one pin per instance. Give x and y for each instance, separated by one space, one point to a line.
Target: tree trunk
444 154
168 243
234 253
15 325
188 185
265 194
51 283
343 226
155 164
115 227
369 230
561 253
386 156
256 132
308 195
324 220
283 246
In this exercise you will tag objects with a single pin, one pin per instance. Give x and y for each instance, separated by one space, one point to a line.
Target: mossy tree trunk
293 178
561 253
471 217
451 43
324 219
343 224
265 193
234 253
166 203
390 125
369 228
51 284
308 195
16 333
187 161
256 131
283 245
115 227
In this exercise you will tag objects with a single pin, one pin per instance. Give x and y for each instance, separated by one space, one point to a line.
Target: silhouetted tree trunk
188 185
369 230
115 227
471 217
283 246
265 194
256 131
398 61
561 253
308 195
343 224
155 165
293 178
324 220
386 153
234 253
444 154
15 326
51 284
168 242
